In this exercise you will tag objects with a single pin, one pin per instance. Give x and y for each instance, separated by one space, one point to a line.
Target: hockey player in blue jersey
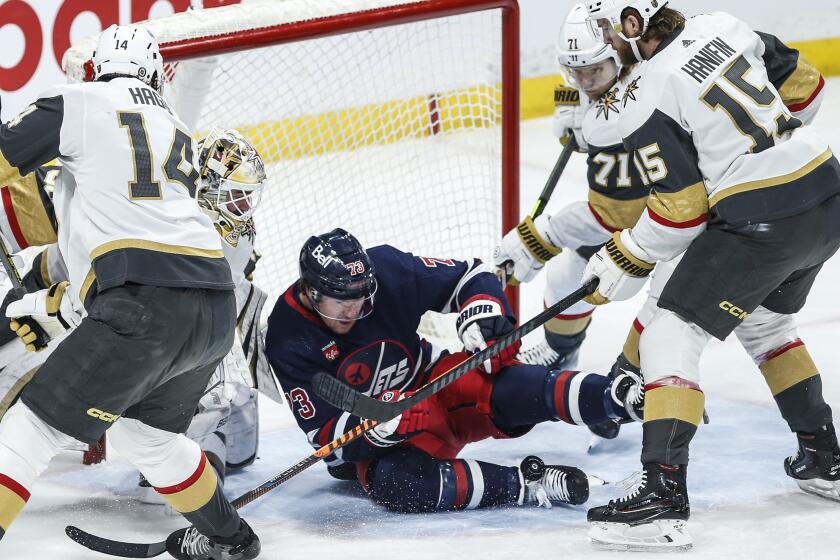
355 313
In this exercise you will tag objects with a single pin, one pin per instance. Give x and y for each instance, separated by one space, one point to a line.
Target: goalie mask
587 63
232 178
337 276
128 50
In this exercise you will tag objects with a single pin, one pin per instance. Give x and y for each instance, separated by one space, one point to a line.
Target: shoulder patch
630 91
565 95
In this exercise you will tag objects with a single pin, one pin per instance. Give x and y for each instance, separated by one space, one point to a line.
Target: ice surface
743 504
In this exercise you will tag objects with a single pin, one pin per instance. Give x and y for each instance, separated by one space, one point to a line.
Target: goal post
395 119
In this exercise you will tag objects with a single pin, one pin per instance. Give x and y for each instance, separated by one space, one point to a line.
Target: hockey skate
543 354
546 485
651 518
189 544
816 465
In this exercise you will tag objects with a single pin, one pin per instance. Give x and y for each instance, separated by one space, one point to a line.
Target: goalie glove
620 272
408 424
525 250
480 323
42 316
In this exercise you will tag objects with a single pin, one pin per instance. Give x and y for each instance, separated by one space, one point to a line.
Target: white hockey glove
49 311
524 250
408 424
480 323
621 273
568 120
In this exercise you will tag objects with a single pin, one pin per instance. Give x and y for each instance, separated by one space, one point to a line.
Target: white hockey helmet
608 13
588 63
232 176
128 50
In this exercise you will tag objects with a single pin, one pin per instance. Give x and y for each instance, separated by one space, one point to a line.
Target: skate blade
822 488
593 443
666 535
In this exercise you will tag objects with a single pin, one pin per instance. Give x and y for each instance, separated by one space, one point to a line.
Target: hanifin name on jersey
708 59
147 96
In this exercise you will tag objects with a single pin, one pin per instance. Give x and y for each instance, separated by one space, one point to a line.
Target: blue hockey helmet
335 265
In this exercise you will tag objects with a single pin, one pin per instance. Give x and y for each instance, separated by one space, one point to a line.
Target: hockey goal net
396 120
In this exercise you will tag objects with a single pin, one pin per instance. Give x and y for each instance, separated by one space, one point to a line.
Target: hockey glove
568 116
621 274
480 323
408 424
50 311
524 250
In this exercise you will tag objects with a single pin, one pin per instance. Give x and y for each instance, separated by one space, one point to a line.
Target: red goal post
250 46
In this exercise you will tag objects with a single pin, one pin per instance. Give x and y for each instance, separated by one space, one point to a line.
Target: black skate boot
547 485
816 465
627 391
651 518
189 544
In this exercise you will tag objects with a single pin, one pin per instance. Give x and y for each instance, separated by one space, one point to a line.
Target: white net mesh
392 133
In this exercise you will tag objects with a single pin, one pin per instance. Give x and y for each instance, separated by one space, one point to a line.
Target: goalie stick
342 396
150 550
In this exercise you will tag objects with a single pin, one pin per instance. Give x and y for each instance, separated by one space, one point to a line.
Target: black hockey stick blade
342 396
115 548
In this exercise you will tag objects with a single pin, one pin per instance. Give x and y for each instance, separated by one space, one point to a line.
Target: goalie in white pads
752 194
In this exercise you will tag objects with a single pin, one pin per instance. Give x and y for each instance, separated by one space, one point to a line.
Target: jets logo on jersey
377 367
630 92
330 351
357 373
607 104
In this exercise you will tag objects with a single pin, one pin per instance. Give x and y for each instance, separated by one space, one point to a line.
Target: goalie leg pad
242 433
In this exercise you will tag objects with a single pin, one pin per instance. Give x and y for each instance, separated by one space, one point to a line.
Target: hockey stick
150 550
342 396
506 269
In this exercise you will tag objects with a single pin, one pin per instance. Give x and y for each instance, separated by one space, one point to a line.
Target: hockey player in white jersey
138 252
752 194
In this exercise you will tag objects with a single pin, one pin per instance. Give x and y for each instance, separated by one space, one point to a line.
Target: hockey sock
524 395
411 481
631 344
180 472
673 410
796 386
27 445
200 500
565 333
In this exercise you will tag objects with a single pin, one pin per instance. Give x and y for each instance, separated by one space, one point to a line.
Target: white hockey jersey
705 121
617 193
125 202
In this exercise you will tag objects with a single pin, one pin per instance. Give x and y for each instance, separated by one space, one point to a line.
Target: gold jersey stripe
800 85
772 181
155 246
786 370
682 206
31 216
196 494
681 403
617 214
8 172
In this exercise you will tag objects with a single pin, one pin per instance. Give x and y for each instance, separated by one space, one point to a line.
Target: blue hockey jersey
382 351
